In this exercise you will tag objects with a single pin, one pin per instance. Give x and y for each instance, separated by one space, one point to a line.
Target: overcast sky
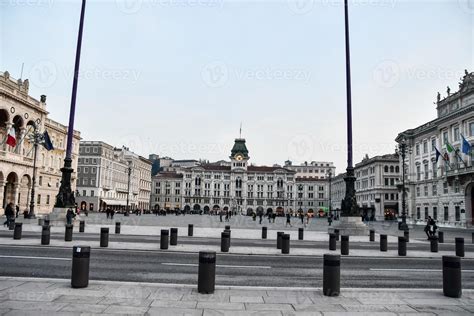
177 77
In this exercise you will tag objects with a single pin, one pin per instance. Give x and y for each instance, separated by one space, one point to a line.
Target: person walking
427 229
274 217
112 213
330 219
288 219
220 215
17 208
9 214
302 218
107 212
260 215
226 216
69 216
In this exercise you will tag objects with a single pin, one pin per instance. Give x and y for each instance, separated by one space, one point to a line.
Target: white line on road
217 265
414 270
26 257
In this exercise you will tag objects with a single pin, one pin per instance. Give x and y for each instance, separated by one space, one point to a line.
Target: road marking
415 270
217 265
26 257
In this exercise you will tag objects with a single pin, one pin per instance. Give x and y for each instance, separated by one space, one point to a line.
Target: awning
114 202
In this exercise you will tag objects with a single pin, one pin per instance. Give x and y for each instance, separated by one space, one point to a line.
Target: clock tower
239 155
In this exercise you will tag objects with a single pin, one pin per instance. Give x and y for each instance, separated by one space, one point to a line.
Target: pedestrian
260 215
274 217
302 218
220 215
226 216
330 219
428 227
17 208
107 212
112 213
9 214
69 216
433 227
288 219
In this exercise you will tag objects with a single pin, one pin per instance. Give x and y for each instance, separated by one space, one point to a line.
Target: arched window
391 169
397 169
385 169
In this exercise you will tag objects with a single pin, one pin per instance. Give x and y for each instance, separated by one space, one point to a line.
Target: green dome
239 148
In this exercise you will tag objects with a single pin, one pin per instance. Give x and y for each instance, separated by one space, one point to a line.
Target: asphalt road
244 270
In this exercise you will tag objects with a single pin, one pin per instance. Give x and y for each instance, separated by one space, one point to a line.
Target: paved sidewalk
27 296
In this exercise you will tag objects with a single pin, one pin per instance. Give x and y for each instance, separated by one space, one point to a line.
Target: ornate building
22 112
237 186
108 175
443 187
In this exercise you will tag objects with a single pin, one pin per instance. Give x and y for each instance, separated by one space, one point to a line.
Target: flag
437 154
449 148
466 146
47 141
11 138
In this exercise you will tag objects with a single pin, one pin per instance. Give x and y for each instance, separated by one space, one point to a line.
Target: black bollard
344 245
228 230
434 244
46 222
300 233
285 244
11 226
207 272
117 228
406 234
372 235
331 275
225 241
336 232
68 232
190 230
264 232
402 246
383 243
459 246
45 235
279 239
82 225
441 237
174 237
452 276
164 239
104 237
17 231
332 241
80 266
227 227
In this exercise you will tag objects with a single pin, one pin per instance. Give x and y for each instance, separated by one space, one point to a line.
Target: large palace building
238 186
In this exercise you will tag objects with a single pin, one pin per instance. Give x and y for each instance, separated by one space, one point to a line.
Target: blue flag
438 154
47 141
466 147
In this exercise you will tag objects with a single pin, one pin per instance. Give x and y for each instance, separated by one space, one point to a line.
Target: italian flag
11 139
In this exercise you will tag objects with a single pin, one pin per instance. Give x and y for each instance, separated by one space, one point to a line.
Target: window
38 201
445 188
435 189
435 170
84 193
426 171
40 181
446 213
92 192
456 186
425 147
86 170
426 213
392 169
457 211
435 213
433 144
95 150
426 190
417 148
418 172
47 199
456 134
417 191
445 137
471 128
385 169
418 213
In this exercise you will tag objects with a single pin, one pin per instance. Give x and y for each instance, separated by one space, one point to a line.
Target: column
2 190
16 190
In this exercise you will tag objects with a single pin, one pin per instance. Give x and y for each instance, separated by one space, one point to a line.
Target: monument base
350 226
58 216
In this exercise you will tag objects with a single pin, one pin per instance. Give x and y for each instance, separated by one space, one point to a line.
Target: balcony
459 173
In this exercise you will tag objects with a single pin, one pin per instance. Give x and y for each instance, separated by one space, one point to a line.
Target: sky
178 77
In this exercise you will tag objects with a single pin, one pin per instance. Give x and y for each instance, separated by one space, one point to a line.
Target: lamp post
128 185
65 197
329 197
402 150
36 138
349 204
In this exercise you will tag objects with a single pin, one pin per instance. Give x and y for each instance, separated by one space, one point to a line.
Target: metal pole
33 182
65 197
329 213
128 187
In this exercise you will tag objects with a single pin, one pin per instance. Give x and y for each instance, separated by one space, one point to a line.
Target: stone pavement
29 296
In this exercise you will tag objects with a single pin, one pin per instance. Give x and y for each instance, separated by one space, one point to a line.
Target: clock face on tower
239 157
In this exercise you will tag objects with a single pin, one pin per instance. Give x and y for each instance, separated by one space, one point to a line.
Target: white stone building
20 110
108 175
314 169
444 189
237 186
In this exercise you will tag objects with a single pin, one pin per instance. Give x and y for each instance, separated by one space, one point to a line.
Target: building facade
442 187
108 177
314 169
22 112
236 186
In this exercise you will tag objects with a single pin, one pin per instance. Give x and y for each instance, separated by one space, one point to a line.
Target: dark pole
65 197
33 182
349 204
403 149
128 186
330 174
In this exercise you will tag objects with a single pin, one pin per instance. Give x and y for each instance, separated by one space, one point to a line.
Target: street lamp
128 185
403 149
329 197
35 138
